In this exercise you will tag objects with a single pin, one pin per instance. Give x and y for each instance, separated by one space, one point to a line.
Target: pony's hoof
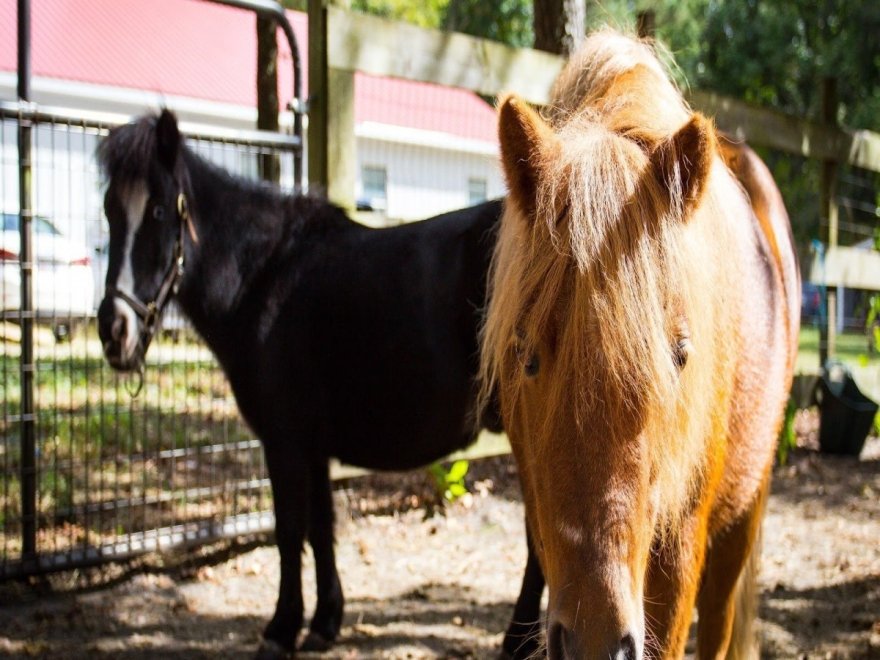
270 650
315 643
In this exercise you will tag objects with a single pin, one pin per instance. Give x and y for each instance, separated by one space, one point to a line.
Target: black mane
127 151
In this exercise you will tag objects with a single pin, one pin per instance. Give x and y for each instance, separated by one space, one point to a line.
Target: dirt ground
443 586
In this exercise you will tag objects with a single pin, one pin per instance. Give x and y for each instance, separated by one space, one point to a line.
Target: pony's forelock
591 79
127 151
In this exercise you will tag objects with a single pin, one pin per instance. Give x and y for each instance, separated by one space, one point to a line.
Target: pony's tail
745 642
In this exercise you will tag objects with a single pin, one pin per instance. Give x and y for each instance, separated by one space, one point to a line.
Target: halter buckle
152 315
182 207
178 275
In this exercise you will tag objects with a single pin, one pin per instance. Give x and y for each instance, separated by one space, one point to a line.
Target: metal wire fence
111 475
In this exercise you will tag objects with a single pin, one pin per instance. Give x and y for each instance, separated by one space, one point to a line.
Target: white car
63 283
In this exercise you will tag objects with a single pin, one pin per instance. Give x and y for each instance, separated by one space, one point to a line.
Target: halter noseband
150 312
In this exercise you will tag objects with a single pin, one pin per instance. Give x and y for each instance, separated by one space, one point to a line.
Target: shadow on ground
150 618
839 619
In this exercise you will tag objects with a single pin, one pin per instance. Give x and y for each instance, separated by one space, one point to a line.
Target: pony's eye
532 365
680 352
158 212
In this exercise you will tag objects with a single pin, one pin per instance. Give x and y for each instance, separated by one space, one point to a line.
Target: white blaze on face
134 200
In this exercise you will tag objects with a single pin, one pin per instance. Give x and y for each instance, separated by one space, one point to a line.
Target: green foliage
872 318
798 180
873 312
425 13
618 14
507 21
776 53
449 482
55 490
298 5
787 436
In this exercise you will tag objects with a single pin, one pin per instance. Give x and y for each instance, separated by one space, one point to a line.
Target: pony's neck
240 228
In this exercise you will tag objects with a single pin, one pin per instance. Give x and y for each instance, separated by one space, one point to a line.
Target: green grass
850 348
95 442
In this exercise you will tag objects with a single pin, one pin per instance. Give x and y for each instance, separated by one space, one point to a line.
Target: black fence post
26 317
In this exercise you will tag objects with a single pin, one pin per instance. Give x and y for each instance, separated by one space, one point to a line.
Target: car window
41 224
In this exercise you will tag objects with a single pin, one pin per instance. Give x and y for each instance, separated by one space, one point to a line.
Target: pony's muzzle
564 644
118 334
118 329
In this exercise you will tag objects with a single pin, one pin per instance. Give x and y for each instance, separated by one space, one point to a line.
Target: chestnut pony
641 332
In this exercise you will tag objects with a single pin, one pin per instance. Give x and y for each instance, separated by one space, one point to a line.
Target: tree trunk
267 91
560 25
646 24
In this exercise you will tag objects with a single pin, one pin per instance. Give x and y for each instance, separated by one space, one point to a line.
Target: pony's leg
290 479
521 640
671 589
328 614
728 597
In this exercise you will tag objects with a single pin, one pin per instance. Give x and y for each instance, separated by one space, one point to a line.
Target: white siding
66 183
424 181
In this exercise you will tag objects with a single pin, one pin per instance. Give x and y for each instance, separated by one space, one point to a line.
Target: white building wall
423 180
427 174
66 185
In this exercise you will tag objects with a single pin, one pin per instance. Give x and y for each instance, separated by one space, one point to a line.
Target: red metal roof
425 106
201 50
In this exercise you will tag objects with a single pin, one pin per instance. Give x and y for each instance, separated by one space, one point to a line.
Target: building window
476 191
375 185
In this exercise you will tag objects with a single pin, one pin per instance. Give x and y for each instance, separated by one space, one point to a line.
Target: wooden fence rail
358 42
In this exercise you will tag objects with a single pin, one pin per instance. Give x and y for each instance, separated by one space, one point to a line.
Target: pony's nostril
563 644
626 649
559 642
118 329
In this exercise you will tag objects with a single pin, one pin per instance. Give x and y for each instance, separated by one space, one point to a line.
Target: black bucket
845 414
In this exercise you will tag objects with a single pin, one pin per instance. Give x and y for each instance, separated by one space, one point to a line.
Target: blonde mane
604 271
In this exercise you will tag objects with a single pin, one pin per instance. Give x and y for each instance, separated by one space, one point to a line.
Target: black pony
337 340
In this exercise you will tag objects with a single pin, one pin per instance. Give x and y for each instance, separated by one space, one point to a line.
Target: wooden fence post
341 143
332 148
828 211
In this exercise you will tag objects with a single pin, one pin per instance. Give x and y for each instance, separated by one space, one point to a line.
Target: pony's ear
525 139
683 161
167 139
